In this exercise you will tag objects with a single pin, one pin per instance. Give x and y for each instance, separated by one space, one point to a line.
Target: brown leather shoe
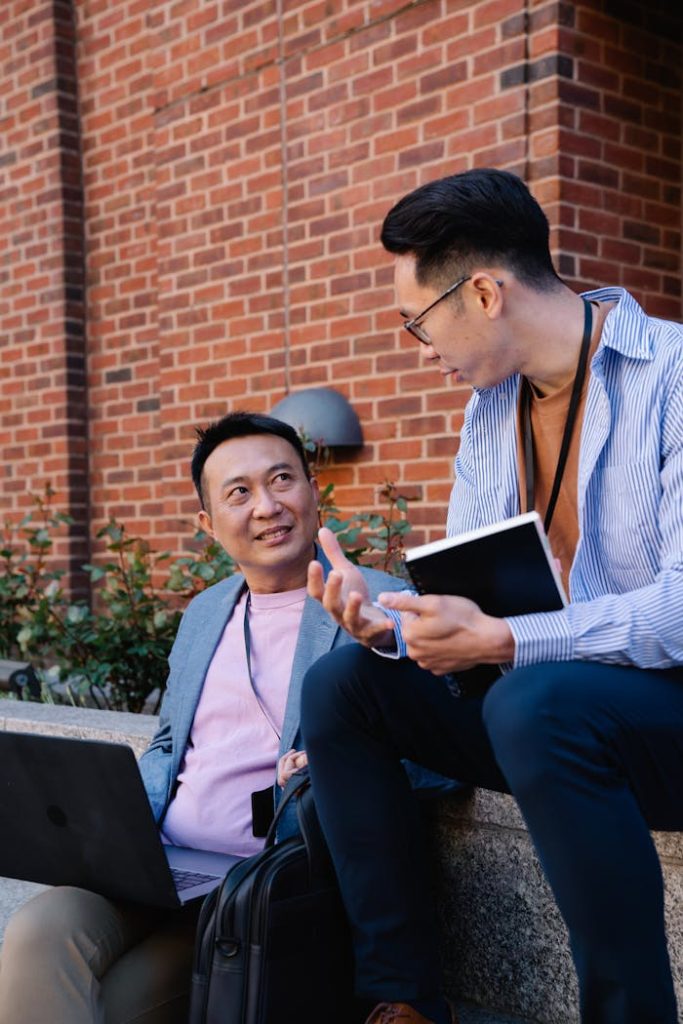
400 1013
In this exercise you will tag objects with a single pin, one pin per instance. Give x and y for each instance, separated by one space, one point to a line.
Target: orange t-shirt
548 418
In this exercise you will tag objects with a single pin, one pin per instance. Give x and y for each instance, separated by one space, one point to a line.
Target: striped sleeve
542 637
399 651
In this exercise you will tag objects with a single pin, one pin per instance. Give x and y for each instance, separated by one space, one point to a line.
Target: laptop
75 812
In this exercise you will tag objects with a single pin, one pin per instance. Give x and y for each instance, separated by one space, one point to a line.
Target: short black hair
240 424
483 216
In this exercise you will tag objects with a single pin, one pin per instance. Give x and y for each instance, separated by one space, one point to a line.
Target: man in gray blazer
229 714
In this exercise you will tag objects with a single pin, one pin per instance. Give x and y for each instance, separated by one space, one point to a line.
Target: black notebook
506 568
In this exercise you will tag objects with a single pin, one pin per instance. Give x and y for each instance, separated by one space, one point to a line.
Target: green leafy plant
28 583
189 574
116 648
119 646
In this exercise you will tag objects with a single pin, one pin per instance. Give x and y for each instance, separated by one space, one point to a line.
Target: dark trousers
594 757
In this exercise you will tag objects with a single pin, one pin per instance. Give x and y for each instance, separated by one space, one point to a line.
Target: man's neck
261 587
556 343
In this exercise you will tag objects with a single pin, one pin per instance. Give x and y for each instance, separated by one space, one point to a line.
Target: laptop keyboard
186 879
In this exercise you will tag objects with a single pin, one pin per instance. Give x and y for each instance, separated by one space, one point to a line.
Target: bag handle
298 788
294 785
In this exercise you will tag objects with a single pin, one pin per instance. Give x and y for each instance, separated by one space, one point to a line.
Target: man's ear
315 488
489 294
204 523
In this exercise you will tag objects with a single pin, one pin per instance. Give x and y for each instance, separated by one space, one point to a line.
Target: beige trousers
73 957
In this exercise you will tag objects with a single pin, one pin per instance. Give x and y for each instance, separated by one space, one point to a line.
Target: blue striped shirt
626 580
627 577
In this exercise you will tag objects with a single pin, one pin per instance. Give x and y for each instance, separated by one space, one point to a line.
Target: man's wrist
501 643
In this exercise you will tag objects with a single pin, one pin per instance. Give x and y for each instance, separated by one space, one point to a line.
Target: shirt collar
626 328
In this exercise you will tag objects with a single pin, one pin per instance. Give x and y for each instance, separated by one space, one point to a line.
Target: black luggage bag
273 942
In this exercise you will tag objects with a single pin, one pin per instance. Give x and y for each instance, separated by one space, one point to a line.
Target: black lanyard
247 648
579 378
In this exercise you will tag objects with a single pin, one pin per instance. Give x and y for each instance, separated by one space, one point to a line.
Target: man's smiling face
262 508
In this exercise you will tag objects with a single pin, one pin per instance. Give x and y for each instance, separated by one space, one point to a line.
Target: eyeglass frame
412 326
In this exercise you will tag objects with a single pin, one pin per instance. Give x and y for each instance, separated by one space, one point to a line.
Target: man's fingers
332 595
284 767
351 610
332 548
328 592
290 763
316 580
365 621
403 602
353 603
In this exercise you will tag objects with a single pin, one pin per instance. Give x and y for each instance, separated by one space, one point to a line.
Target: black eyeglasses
414 328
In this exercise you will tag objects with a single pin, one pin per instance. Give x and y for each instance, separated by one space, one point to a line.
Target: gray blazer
200 631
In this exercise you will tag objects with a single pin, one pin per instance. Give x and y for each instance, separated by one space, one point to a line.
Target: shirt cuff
399 648
544 636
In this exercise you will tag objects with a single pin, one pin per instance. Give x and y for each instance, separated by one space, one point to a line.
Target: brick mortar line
285 220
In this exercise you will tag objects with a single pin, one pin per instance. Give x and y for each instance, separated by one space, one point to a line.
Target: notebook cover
505 569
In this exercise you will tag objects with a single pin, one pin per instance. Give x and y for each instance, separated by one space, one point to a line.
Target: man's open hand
345 596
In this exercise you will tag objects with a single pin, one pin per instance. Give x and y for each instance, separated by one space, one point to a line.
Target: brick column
614 147
43 414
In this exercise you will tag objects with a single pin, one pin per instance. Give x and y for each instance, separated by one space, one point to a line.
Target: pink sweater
233 750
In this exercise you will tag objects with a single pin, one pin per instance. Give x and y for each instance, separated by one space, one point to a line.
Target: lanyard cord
247 648
570 422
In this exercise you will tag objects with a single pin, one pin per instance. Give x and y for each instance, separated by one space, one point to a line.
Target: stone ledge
504 942
498 810
83 723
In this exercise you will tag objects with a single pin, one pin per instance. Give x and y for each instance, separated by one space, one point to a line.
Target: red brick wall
238 159
617 147
43 426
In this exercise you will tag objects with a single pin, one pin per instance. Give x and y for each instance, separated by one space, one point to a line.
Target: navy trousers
594 757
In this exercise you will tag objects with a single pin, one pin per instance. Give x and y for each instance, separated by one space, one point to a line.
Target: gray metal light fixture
323 414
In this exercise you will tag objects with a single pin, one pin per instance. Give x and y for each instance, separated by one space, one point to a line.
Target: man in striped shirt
585 723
